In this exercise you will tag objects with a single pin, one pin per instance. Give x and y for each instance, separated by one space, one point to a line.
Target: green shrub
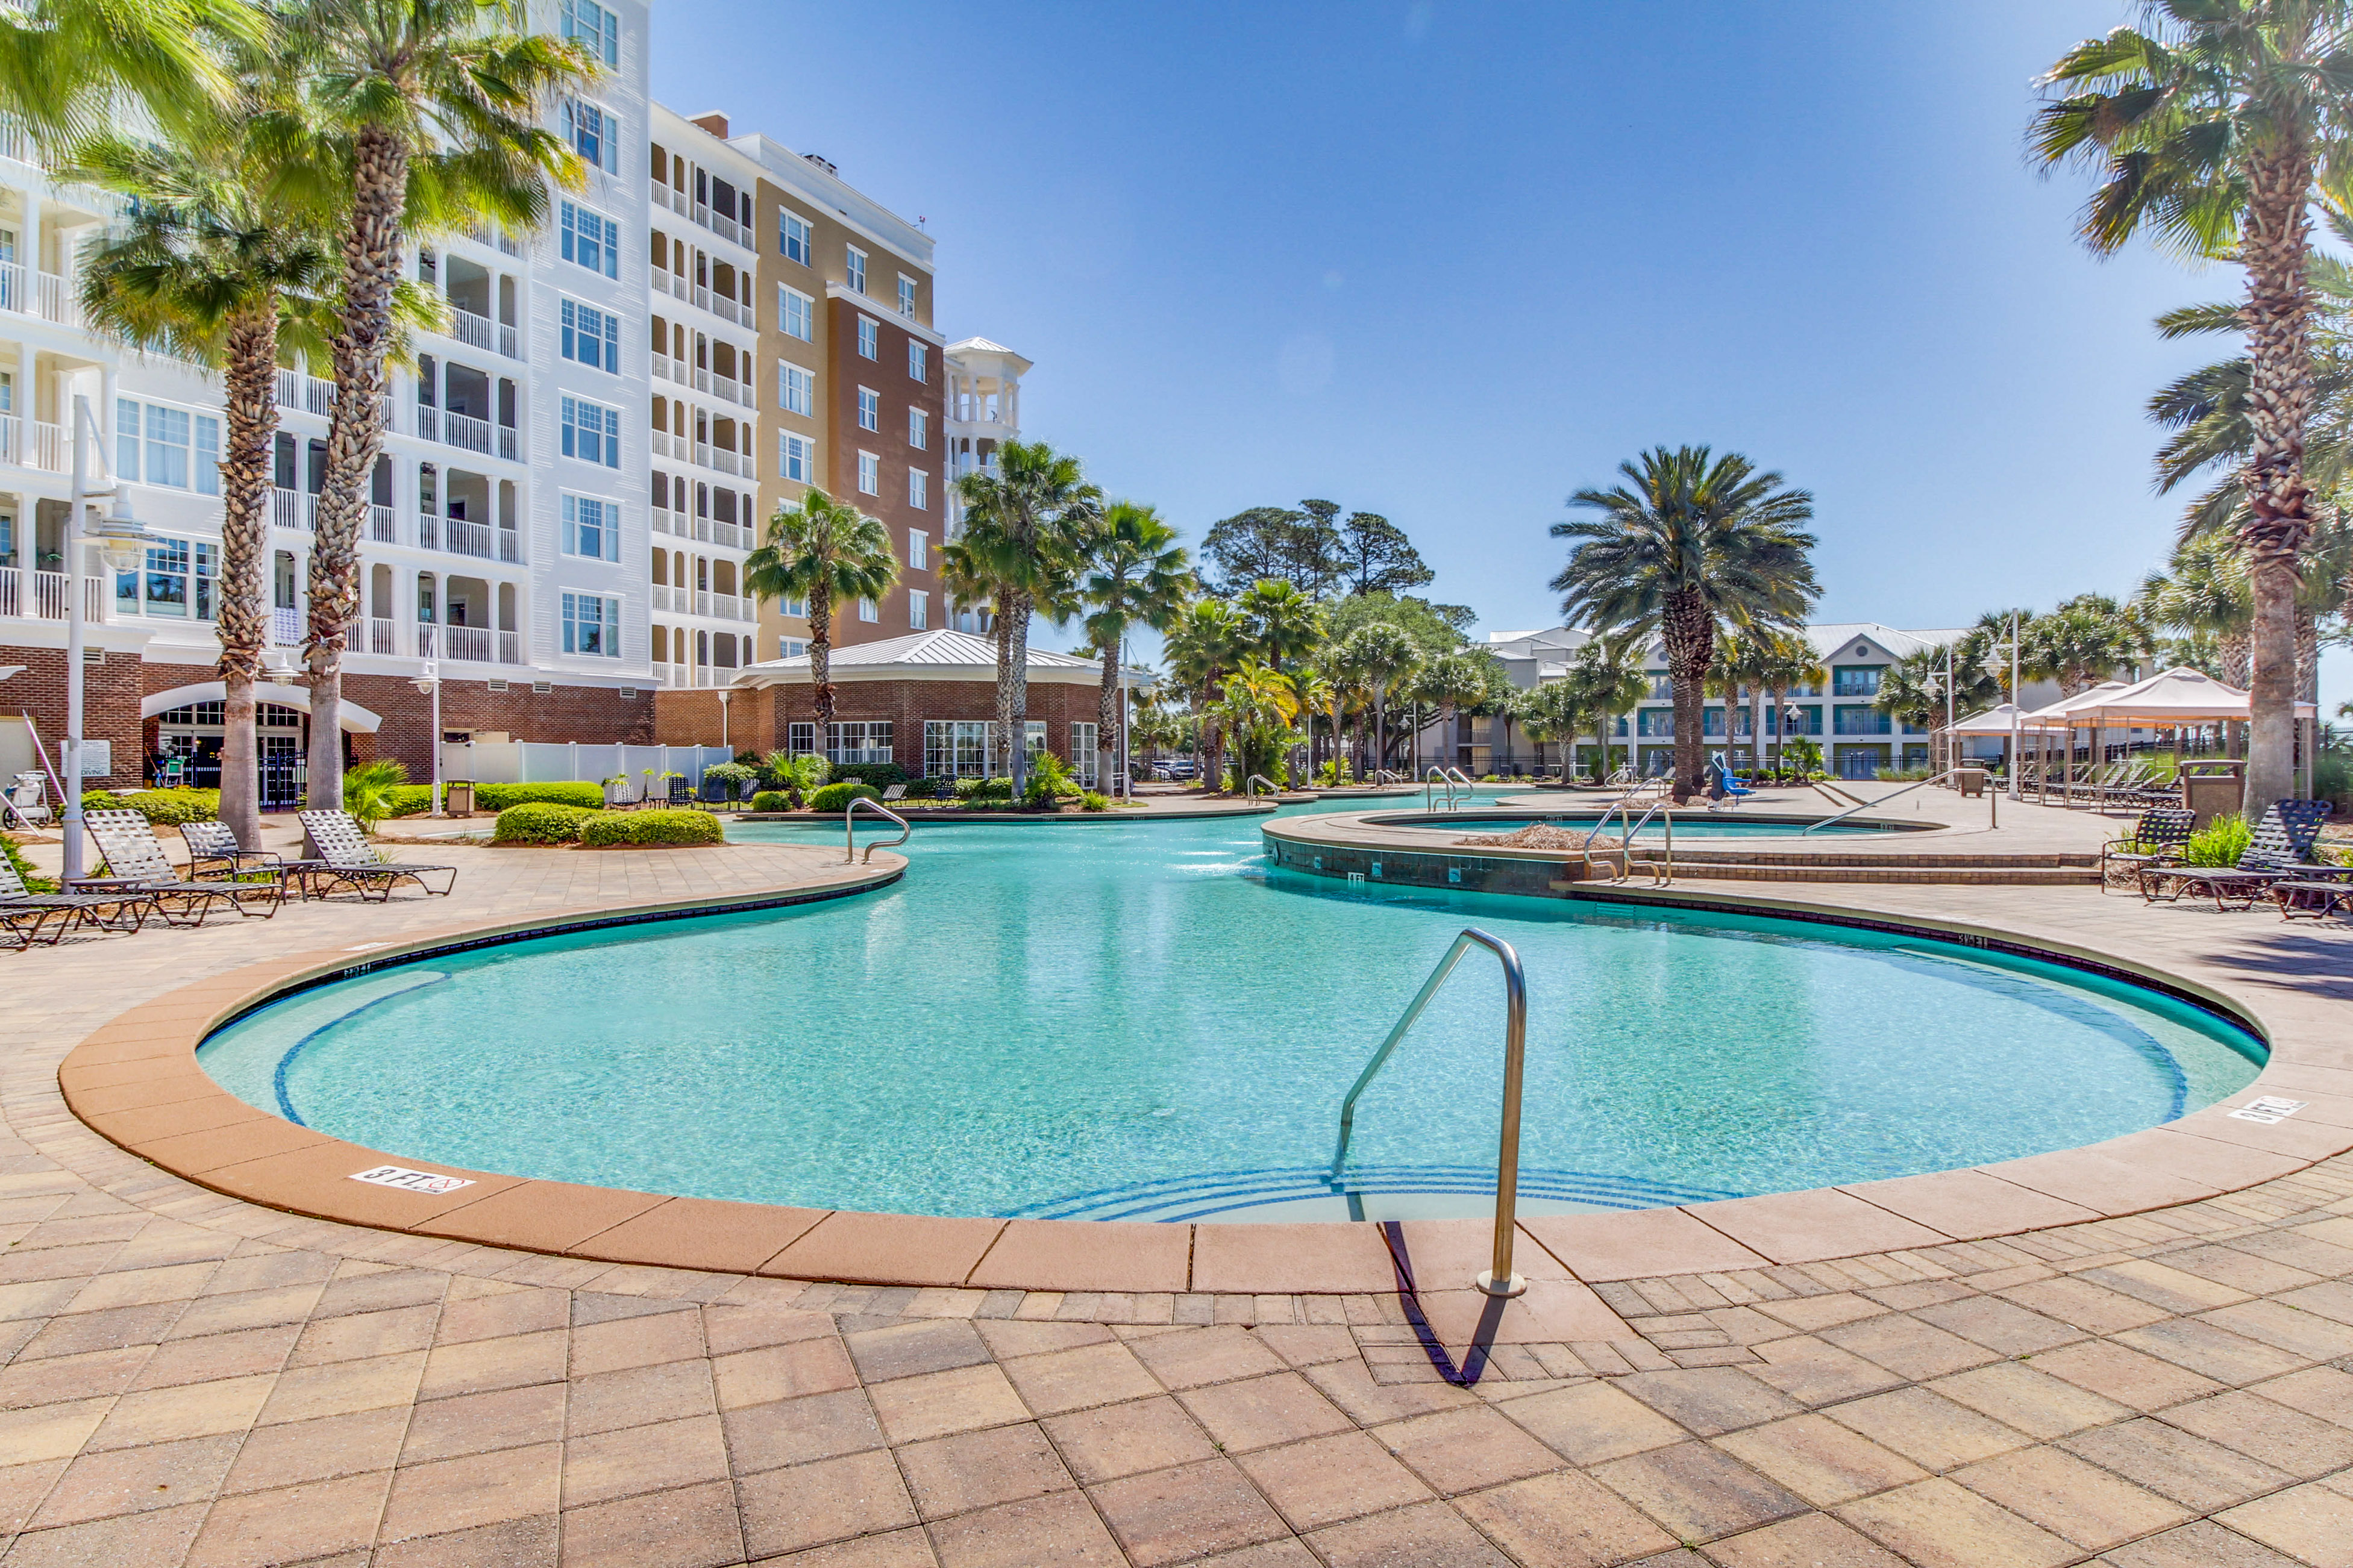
1091 801
16 856
161 807
498 796
1050 780
837 797
407 800
881 775
541 822
983 789
926 788
801 774
685 826
367 790
2220 843
771 800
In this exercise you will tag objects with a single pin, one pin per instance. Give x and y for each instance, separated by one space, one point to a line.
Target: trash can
1972 783
2212 789
458 800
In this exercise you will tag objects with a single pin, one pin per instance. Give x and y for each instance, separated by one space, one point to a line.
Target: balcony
661 444
382 635
293 509
37 447
468 433
727 310
42 595
381 527
482 332
42 294
725 228
300 394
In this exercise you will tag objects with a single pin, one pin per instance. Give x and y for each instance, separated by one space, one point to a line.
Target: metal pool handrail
1250 794
1993 817
1437 774
1626 866
850 831
1497 1279
1463 779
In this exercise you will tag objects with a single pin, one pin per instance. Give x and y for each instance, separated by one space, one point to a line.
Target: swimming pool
1700 824
1143 1020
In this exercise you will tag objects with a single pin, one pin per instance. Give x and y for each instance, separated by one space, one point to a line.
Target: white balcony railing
726 309
468 328
465 431
428 531
702 295
728 228
381 636
472 643
661 520
510 648
661 364
701 378
428 422
300 394
724 460
41 595
701 601
509 546
662 443
14 144
293 508
509 444
16 287
659 594
659 277
59 300
463 538
382 525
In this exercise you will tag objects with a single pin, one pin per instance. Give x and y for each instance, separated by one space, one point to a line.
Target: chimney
715 123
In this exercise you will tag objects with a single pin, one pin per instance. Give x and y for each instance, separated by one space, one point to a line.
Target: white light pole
2017 739
122 543
429 684
724 694
1127 765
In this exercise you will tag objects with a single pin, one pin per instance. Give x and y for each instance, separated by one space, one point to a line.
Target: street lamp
122 543
724 694
428 684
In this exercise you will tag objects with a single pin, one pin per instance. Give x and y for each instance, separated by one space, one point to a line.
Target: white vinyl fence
547 761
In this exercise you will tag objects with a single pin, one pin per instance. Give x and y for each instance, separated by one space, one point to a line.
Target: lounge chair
26 915
896 792
2156 840
2302 897
2279 851
134 860
344 860
214 844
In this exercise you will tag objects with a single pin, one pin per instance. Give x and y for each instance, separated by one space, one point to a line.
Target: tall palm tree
828 552
1286 624
2212 131
1382 656
1257 707
1743 660
2087 639
1137 576
1204 644
1316 694
2204 594
1696 543
205 271
427 113
1553 713
68 66
1024 520
1786 662
1607 676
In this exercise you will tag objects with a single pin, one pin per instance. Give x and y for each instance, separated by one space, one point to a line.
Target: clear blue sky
1450 262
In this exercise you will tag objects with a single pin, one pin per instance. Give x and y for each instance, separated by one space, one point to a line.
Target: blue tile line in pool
407 982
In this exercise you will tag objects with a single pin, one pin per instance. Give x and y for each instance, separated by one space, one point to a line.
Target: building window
919 428
592 432
792 312
793 458
592 337
869 337
177 582
590 239
1862 681
1083 753
801 739
157 445
592 528
918 549
855 263
592 624
593 132
956 748
796 388
919 609
1860 720
859 740
795 607
906 295
919 361
867 610
919 488
870 409
587 22
793 237
791 647
869 474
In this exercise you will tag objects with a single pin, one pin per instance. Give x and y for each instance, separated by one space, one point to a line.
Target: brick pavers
192 1380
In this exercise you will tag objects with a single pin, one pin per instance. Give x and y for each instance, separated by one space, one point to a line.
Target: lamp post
723 695
122 543
429 684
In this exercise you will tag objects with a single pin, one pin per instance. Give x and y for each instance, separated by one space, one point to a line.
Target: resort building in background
571 478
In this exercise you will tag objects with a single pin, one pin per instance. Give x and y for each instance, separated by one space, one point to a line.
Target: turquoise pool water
1143 1020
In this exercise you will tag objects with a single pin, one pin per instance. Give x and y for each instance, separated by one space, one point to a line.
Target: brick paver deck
190 1379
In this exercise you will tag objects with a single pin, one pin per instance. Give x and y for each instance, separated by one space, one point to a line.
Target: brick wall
758 716
111 693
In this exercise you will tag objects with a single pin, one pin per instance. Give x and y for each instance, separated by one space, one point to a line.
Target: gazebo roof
2067 709
1995 720
2182 697
940 655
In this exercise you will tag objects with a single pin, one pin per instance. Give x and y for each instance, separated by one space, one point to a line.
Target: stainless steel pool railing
1498 1278
1993 802
1463 779
850 832
1438 775
1660 877
1250 793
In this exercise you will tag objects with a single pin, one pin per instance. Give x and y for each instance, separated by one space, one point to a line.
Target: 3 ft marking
410 1181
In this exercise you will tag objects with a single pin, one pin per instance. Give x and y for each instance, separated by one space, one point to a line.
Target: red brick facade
111 693
757 716
898 393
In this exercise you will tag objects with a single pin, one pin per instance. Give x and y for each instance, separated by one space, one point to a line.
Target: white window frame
571 427
867 610
907 287
794 233
607 526
919 610
605 619
609 340
796 388
795 458
192 565
919 360
869 473
601 33
919 490
870 409
795 313
572 115
854 267
919 429
918 549
870 338
143 446
571 219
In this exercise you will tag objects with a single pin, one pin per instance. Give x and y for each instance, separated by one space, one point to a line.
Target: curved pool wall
1693 825
1150 1021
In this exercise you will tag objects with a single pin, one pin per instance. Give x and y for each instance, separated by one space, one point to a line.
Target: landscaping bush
161 807
1049 781
735 776
838 796
926 788
541 822
2220 843
881 775
974 791
677 827
498 796
407 800
800 775
771 800
367 790
1091 801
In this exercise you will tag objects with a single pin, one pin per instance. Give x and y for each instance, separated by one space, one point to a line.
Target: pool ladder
1497 1279
849 830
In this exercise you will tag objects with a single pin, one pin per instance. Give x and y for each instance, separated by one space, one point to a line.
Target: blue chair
1733 789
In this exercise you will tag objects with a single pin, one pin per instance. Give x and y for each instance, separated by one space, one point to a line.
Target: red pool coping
136 1083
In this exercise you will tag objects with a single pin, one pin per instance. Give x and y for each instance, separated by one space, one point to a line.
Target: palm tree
204 272
1205 642
828 552
65 65
1284 622
428 112
1137 576
1696 543
2214 132
2204 594
1552 712
1381 656
1606 677
2087 639
1316 693
1786 662
1023 525
1257 707
1743 661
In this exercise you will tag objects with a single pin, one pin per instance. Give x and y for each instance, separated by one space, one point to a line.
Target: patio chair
26 915
896 792
344 860
680 792
2156 840
2279 851
134 860
2300 898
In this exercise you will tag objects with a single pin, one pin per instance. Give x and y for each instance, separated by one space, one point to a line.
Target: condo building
573 474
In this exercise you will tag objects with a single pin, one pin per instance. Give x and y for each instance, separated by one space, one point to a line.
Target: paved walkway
193 1380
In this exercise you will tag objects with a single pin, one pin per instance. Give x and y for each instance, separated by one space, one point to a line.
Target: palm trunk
1689 635
1107 718
1004 747
1016 675
2236 649
1755 730
251 410
820 654
354 437
2274 248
